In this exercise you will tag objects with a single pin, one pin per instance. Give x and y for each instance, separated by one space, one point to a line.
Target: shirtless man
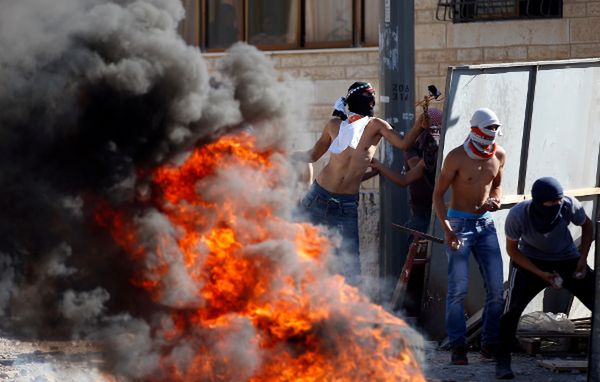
474 172
351 140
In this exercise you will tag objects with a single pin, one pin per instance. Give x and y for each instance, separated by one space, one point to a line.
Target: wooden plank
531 346
513 199
581 333
564 365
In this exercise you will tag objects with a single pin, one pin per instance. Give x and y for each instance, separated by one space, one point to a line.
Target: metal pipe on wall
396 101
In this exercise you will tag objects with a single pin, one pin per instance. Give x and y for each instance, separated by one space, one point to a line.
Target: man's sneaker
503 370
459 355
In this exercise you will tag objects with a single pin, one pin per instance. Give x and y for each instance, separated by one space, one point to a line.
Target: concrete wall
438 44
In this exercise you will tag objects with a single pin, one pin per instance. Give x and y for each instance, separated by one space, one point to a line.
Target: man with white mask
474 172
351 139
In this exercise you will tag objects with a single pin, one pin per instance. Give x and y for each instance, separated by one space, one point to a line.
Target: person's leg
458 282
314 206
523 286
350 252
486 251
583 288
340 214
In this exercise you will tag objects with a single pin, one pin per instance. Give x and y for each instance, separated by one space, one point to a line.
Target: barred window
214 25
460 11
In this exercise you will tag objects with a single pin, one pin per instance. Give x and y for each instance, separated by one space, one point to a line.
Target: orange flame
262 306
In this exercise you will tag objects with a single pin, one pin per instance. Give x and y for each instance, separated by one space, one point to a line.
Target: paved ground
526 368
49 361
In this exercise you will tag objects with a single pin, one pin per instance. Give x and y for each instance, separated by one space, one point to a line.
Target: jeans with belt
339 212
478 236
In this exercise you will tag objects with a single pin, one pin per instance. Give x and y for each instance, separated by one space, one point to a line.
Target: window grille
460 11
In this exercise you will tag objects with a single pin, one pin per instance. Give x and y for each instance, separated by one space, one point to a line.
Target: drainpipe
396 106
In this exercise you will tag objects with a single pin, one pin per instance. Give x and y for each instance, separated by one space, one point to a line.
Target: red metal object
419 241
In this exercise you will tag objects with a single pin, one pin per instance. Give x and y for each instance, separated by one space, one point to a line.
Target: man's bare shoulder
454 159
379 123
335 121
500 153
456 154
333 126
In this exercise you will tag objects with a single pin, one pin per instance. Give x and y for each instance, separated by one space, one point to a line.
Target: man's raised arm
320 147
399 141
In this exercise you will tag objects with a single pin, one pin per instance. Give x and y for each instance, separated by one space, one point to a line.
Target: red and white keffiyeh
480 144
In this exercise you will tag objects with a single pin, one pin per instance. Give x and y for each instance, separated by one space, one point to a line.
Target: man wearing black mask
543 254
351 139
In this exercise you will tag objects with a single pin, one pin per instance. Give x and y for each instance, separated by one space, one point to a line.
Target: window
370 23
485 10
328 23
214 25
188 27
224 25
273 24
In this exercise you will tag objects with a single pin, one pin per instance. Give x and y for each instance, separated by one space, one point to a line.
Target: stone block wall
438 44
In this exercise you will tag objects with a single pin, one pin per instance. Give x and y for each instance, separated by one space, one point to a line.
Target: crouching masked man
351 139
543 254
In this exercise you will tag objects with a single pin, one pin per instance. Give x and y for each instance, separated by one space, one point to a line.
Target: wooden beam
513 199
557 365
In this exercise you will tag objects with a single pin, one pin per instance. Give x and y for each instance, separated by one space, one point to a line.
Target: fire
259 303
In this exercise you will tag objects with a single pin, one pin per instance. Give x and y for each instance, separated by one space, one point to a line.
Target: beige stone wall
440 44
330 72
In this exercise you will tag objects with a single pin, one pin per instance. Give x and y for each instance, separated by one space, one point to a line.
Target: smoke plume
100 100
92 94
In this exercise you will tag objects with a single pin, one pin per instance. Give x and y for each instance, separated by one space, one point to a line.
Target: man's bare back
344 171
348 164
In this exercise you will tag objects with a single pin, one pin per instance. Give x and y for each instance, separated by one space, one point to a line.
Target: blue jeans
477 236
339 212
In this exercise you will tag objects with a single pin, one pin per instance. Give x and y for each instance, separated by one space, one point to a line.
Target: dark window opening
215 25
460 11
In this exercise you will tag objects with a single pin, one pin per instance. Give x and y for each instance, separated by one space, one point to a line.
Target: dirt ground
74 361
526 368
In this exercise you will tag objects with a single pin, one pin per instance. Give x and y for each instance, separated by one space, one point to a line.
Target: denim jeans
477 236
339 212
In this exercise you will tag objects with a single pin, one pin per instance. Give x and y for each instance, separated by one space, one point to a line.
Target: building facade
332 55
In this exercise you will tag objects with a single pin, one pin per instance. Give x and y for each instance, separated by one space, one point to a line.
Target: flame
259 302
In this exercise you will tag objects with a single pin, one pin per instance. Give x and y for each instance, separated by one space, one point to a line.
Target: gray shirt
554 245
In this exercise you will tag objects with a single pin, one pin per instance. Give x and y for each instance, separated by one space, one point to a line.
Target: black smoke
94 94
